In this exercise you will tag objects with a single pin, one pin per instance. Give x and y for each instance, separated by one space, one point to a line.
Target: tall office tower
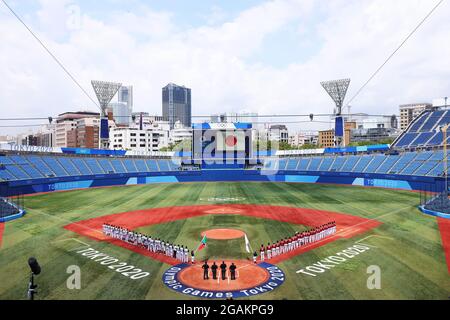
176 105
123 109
126 96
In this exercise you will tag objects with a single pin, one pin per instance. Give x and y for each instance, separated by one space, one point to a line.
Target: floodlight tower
104 91
337 89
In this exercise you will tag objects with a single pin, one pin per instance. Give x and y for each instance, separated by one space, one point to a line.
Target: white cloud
148 51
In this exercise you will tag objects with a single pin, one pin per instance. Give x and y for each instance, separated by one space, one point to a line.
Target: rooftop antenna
337 89
104 91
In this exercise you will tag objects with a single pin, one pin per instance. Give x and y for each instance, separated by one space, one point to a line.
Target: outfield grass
408 245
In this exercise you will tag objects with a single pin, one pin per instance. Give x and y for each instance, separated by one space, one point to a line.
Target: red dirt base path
223 234
444 228
347 226
248 276
2 229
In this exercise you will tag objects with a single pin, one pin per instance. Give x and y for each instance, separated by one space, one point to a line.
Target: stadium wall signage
276 279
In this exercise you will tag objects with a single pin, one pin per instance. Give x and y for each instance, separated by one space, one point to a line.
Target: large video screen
229 141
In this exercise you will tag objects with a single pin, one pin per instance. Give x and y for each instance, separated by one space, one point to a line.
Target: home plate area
250 278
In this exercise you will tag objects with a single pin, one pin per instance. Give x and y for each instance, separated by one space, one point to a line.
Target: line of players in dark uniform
223 271
296 241
157 245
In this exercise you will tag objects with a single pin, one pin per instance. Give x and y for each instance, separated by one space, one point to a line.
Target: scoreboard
222 141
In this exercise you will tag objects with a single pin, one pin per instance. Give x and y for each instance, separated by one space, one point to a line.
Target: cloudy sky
262 56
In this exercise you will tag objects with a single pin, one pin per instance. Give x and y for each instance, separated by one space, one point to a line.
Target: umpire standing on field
205 271
214 268
233 271
223 270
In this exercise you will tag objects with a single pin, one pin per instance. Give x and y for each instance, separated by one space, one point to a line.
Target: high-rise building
125 95
409 112
123 108
176 105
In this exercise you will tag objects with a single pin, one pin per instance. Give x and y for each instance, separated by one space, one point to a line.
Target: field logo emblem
275 279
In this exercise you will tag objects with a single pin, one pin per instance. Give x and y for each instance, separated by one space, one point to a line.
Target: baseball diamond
66 228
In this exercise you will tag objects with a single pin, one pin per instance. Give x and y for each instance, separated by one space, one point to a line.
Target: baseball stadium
221 202
336 224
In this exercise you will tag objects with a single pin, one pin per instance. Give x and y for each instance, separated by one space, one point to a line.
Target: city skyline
263 56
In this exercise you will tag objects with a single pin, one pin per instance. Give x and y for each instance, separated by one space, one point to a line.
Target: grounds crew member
223 269
214 268
192 256
205 268
233 271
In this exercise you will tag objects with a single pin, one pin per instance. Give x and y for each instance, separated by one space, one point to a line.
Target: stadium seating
26 167
425 131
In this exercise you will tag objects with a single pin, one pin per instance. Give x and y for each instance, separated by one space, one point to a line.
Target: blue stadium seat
375 163
412 167
282 164
94 166
292 164
403 162
406 140
419 122
6 175
432 121
140 165
68 165
106 165
387 165
41 166
350 164
303 164
5 160
163 165
55 166
118 166
152 165
31 171
423 138
362 164
17 172
326 163
337 164
81 166
129 165
445 120
18 160
315 164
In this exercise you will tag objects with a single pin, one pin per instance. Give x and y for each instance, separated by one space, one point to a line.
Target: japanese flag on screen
230 141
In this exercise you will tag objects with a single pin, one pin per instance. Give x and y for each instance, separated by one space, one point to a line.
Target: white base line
373 236
74 239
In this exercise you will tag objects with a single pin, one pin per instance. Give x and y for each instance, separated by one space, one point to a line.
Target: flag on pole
202 244
248 247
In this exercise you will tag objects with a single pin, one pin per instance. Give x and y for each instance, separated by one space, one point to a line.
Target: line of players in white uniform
156 245
296 241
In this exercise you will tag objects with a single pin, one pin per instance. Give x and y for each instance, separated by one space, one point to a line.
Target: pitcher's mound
223 234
